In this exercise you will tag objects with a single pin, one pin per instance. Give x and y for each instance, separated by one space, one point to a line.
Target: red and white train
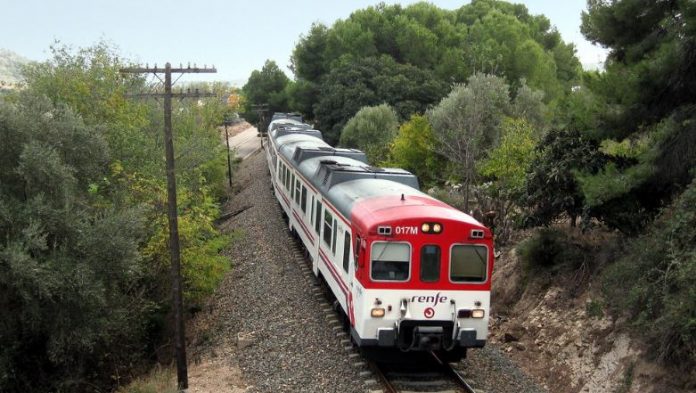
409 271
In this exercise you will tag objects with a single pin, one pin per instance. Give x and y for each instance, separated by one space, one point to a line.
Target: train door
348 265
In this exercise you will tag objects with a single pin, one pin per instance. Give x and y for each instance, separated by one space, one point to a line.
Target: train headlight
478 313
377 312
425 227
437 228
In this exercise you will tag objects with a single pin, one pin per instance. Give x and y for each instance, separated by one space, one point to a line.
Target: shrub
550 250
653 284
414 150
371 130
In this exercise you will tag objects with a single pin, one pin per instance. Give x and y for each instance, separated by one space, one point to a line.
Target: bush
653 284
84 267
371 130
550 250
71 275
414 150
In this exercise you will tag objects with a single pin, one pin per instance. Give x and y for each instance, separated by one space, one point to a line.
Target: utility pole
179 332
228 122
262 111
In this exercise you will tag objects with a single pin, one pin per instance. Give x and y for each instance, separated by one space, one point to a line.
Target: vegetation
486 36
371 81
371 130
265 87
83 259
414 150
550 250
653 284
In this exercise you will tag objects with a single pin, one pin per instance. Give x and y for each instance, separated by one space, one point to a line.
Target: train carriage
408 271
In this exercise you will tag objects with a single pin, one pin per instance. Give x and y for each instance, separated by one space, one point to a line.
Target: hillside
10 64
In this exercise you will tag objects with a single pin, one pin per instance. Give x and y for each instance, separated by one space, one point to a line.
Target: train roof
285 123
298 147
329 174
282 115
286 144
289 130
380 208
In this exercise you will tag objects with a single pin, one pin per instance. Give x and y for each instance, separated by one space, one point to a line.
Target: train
409 273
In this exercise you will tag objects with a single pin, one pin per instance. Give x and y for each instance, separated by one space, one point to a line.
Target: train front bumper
426 337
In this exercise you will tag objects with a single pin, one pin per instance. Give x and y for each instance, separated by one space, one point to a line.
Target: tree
266 86
485 36
466 123
83 283
509 162
414 150
646 94
67 264
551 186
371 130
372 81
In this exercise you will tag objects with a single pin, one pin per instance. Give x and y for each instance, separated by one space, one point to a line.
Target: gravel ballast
267 320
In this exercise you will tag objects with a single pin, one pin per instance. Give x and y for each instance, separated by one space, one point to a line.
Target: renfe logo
435 300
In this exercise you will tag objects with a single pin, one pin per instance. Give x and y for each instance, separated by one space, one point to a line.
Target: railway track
430 375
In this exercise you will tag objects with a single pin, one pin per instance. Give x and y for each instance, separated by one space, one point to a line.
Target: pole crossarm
172 95
159 70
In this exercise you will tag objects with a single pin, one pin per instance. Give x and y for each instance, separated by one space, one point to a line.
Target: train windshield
430 263
391 261
468 263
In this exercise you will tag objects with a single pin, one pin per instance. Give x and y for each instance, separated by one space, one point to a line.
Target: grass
159 380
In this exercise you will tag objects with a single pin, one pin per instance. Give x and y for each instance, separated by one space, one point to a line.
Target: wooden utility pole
262 111
179 332
228 122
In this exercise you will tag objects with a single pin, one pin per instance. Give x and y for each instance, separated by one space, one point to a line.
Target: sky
235 36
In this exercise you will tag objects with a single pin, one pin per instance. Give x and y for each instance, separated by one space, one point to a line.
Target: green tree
83 285
552 187
267 86
71 278
466 123
509 162
485 36
371 130
372 81
414 150
647 94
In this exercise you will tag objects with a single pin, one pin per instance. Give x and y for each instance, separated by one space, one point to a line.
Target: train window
311 214
468 263
430 263
328 222
303 199
292 187
333 238
298 190
285 177
391 261
317 219
346 251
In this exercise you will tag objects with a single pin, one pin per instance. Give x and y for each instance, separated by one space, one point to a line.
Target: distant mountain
10 64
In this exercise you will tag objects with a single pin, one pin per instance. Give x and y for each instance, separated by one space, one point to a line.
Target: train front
423 277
